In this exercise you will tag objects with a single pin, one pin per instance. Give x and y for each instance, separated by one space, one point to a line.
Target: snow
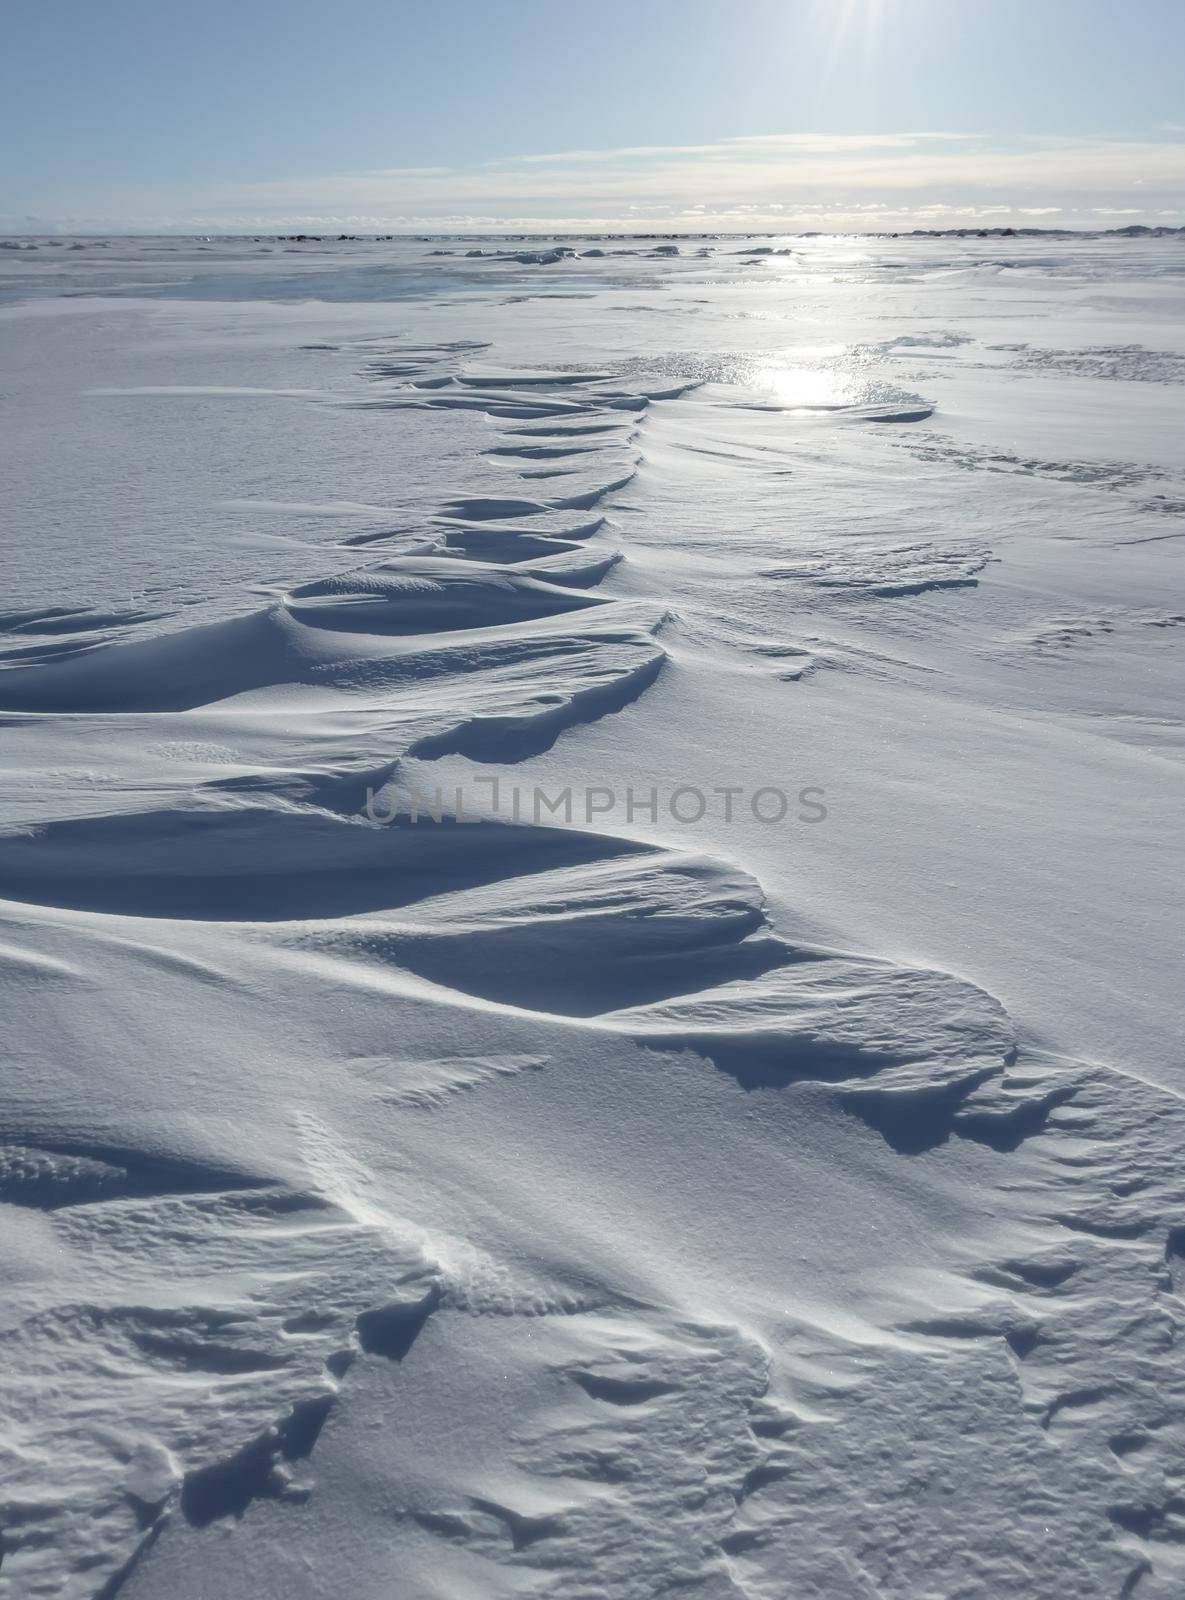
457 1139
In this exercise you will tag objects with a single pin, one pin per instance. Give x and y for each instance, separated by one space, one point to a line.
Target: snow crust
603 1200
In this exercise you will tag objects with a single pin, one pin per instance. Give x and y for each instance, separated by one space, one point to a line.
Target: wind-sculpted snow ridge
628 1482
872 412
890 571
300 1137
226 1309
226 1306
1106 475
486 637
487 642
674 952
192 1405
1058 635
1066 1354
674 1447
665 1446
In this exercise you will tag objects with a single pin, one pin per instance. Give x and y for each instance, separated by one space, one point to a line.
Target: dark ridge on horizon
1136 230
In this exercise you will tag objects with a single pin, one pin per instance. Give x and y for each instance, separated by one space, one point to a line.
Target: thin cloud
805 143
767 180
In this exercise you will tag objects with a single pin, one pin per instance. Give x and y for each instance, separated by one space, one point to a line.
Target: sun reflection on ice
809 388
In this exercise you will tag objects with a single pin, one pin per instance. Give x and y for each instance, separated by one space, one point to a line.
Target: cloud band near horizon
767 182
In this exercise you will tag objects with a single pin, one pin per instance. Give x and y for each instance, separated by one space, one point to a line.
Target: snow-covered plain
603 1184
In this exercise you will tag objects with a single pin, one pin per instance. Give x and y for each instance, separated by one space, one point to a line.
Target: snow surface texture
594 1202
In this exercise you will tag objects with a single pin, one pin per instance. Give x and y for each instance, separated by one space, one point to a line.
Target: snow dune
504 1204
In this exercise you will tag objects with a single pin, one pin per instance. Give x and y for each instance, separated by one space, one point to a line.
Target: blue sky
418 114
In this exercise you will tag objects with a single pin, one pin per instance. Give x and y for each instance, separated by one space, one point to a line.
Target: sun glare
846 30
809 388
